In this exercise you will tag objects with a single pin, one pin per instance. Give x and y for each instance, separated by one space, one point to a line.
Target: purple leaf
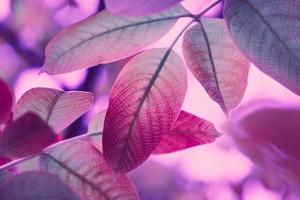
6 101
216 62
187 131
145 100
35 185
138 7
83 168
58 108
105 38
27 135
267 32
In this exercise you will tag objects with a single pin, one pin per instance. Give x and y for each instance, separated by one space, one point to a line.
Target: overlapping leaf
58 108
187 131
138 7
216 62
27 135
6 102
97 123
144 102
84 169
104 38
35 185
267 32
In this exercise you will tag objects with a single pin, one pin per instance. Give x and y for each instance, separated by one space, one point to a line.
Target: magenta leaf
105 38
27 135
6 101
58 108
267 32
83 168
138 7
35 185
187 131
216 62
145 100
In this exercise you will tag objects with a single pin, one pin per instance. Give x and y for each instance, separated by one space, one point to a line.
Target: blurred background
217 171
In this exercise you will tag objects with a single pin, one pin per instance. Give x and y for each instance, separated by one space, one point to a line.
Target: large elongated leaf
36 185
84 169
6 101
187 131
144 102
216 62
27 135
105 38
267 32
138 7
58 108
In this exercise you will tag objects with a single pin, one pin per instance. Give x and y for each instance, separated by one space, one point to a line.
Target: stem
18 161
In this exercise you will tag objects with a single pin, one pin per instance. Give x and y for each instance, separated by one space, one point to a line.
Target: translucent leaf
267 32
97 123
27 135
58 108
84 169
145 100
216 62
36 185
104 38
187 131
6 102
138 7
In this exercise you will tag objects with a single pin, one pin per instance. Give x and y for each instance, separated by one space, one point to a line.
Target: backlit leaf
36 185
267 32
6 102
104 38
97 123
58 108
27 135
138 7
145 100
187 131
83 168
216 62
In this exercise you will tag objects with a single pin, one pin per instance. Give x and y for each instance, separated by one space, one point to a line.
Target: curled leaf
104 38
216 62
138 7
187 131
58 108
6 101
27 135
35 185
145 100
267 32
83 168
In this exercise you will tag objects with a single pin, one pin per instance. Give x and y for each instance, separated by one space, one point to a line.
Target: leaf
36 185
6 101
267 32
84 169
187 131
26 136
216 62
58 108
145 100
138 7
97 123
105 38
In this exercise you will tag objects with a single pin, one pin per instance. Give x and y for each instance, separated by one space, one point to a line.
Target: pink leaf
144 102
216 62
58 108
83 168
6 101
187 131
35 185
138 7
27 135
105 38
